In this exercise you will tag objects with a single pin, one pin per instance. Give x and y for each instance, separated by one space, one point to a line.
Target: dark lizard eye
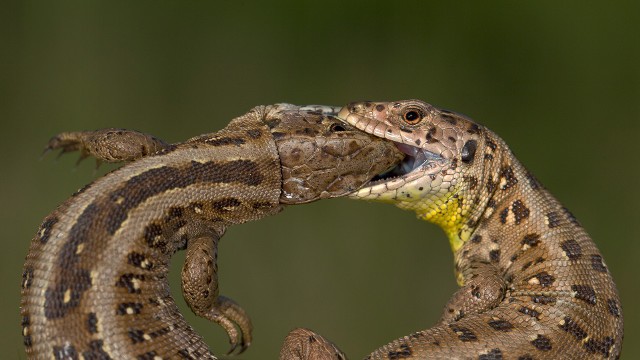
337 127
412 116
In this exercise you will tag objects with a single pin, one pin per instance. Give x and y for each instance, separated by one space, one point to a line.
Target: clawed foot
108 145
233 319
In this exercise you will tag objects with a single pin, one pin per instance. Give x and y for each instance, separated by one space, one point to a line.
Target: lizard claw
235 321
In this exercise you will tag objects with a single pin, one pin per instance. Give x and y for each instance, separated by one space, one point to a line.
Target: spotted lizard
533 283
94 284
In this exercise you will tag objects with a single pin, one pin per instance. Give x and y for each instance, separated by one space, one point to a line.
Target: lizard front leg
200 290
484 288
108 145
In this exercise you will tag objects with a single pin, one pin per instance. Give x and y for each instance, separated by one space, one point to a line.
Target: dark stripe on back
107 215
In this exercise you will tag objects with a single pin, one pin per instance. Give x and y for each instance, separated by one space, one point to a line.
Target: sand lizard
534 285
94 284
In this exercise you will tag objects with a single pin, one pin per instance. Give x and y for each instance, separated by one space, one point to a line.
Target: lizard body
533 283
95 279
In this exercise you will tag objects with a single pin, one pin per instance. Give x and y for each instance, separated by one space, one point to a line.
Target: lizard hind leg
108 145
200 290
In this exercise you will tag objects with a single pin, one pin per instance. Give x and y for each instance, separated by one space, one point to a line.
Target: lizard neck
474 194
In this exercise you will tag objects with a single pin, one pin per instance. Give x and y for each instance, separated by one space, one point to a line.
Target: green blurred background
560 81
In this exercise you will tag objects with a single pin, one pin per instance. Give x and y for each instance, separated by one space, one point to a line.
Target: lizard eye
337 127
412 116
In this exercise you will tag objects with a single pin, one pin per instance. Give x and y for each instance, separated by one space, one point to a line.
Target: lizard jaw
417 163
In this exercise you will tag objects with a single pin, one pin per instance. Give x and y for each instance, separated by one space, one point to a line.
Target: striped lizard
94 284
533 283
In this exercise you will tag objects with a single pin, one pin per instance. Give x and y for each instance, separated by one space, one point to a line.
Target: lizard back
95 279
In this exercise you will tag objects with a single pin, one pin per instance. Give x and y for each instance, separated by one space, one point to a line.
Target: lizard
94 284
533 283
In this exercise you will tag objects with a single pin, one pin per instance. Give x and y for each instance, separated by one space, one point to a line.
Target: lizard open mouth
417 160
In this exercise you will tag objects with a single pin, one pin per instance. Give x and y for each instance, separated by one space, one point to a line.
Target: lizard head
322 157
441 156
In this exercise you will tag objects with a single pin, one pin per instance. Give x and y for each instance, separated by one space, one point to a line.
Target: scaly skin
534 285
95 280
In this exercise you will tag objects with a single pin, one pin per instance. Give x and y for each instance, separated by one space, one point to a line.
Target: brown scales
534 283
95 279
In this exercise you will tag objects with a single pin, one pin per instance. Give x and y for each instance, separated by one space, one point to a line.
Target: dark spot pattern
542 343
175 212
65 352
572 328
226 204
380 107
129 307
184 353
472 181
45 229
225 141
476 239
26 336
254 133
262 205
403 352
494 354
474 129
595 346
533 182
491 187
585 293
543 299
597 264
92 323
529 311
450 119
127 281
27 278
136 335
429 138
494 255
503 215
66 294
501 325
572 219
464 334
553 219
531 240
154 238
95 352
520 211
572 249
544 278
525 357
151 355
475 291
138 260
510 179
613 307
